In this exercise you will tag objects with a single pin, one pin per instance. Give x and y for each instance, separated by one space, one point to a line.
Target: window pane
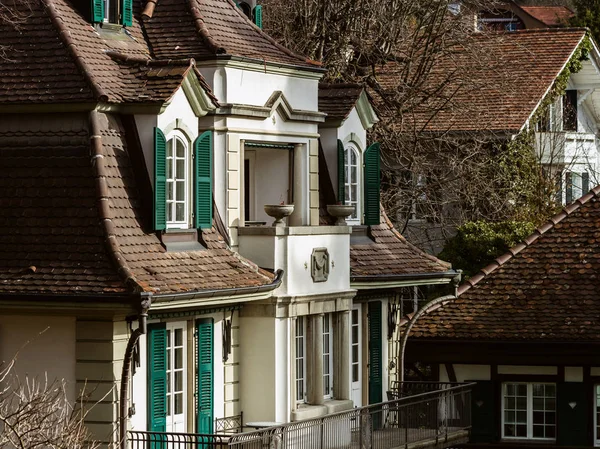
178 358
550 432
510 403
550 404
354 334
521 430
550 391
178 381
509 417
179 212
180 190
170 191
354 373
180 149
178 403
355 353
550 418
509 430
538 417
538 403
353 175
180 169
353 190
538 431
170 148
538 390
169 412
521 403
169 212
352 157
522 417
170 168
168 382
521 390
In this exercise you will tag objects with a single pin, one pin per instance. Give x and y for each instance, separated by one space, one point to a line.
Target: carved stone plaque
320 265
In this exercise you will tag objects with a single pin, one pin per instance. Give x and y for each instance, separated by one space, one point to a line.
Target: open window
268 179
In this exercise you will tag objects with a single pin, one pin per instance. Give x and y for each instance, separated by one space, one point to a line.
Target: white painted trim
264 67
226 129
366 113
393 284
529 411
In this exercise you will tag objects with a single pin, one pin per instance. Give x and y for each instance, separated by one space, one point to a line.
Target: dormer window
359 182
182 181
178 182
112 11
352 187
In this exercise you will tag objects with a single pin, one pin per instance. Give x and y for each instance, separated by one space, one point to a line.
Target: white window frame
300 342
328 355
357 202
181 419
172 138
529 410
106 17
355 358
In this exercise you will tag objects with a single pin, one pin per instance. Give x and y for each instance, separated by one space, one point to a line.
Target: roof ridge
65 36
528 241
202 29
102 190
270 39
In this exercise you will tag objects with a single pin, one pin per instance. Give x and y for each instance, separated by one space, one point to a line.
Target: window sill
330 406
179 240
531 441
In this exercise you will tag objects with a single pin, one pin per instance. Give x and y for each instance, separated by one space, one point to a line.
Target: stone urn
340 212
279 212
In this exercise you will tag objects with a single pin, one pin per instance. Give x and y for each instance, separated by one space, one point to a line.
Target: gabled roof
91 64
545 288
549 15
72 214
498 92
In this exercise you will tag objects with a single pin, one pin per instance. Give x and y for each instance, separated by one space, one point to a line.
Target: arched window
352 175
178 182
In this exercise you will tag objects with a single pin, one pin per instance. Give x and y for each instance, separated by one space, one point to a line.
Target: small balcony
315 259
439 417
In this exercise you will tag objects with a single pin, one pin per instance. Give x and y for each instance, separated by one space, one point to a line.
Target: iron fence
173 440
435 417
411 388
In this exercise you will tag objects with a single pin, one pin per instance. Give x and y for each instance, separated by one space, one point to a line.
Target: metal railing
435 417
411 388
230 424
172 440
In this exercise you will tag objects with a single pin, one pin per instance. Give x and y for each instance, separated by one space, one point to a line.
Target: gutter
220 293
145 303
404 280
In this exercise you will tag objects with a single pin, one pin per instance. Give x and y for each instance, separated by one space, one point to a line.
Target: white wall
178 114
43 346
233 85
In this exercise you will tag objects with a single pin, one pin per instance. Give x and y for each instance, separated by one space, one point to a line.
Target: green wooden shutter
572 417
205 380
127 14
258 16
585 183
484 411
341 172
203 180
157 377
372 185
97 11
375 357
160 180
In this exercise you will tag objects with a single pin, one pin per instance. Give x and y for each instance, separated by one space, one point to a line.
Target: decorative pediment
276 103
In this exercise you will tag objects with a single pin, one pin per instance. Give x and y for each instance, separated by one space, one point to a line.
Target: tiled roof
337 100
35 65
545 288
497 92
549 15
154 269
54 238
391 254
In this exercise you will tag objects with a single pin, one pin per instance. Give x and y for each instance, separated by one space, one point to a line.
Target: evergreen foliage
587 15
477 244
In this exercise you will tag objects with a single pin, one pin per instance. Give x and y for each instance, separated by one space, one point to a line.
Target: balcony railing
432 419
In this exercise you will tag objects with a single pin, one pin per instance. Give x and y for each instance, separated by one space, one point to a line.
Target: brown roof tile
391 254
549 15
543 290
496 93
337 100
53 240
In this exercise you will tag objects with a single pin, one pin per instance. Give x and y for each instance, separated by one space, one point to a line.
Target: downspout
146 301
413 320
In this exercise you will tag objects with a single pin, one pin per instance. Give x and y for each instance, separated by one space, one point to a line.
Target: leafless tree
13 13
37 413
424 63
